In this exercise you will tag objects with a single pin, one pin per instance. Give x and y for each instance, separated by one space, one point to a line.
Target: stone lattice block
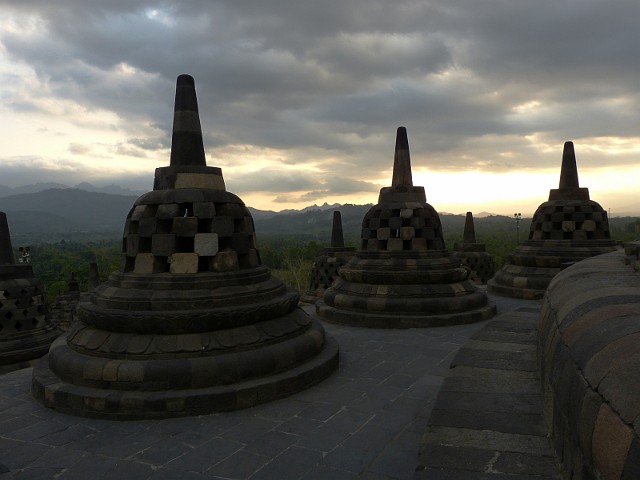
204 209
184 263
168 211
224 261
185 226
223 225
206 244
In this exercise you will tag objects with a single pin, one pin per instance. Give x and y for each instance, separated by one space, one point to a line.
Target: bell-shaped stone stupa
26 332
325 267
403 276
192 323
569 227
473 254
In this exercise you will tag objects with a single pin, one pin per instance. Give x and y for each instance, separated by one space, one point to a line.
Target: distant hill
57 213
87 187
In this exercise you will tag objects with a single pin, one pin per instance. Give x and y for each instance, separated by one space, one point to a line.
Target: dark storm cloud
337 77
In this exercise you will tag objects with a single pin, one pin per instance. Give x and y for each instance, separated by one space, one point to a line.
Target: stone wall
589 361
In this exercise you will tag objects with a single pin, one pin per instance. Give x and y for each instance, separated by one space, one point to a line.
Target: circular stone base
514 292
128 405
402 319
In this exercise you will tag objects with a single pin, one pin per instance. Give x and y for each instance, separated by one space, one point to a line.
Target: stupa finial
569 170
187 146
402 161
337 238
569 187
469 235
6 250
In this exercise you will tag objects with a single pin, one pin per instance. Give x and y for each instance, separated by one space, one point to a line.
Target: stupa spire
569 169
402 161
469 235
569 187
337 238
6 250
187 146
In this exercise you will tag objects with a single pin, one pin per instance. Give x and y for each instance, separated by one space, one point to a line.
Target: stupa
192 323
403 276
473 254
26 331
325 267
567 228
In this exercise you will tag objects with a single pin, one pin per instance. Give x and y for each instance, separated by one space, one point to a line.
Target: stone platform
366 421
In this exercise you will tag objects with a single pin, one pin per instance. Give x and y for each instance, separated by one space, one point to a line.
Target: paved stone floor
367 421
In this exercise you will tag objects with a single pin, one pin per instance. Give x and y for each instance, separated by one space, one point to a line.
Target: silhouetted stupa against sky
567 228
403 276
473 254
193 322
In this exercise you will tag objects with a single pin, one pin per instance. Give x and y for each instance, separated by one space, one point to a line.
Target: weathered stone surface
403 277
192 323
589 365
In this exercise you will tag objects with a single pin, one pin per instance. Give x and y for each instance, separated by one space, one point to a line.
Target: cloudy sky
300 100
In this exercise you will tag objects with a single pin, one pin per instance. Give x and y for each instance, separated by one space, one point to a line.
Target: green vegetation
290 255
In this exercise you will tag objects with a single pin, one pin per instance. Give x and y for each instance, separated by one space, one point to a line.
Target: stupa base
115 404
397 319
515 292
26 350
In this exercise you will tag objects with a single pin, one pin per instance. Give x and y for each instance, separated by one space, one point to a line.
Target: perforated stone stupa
403 276
26 332
192 323
473 254
567 228
325 267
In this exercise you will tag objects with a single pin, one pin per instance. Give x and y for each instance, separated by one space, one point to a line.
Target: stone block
204 209
611 441
184 263
147 226
395 244
206 244
579 235
132 245
417 222
223 226
145 263
557 235
371 244
568 226
383 233
395 223
224 261
406 212
407 233
547 226
419 244
168 210
589 225
234 210
163 244
199 180
185 226
138 212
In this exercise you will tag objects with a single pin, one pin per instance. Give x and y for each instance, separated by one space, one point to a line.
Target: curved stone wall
589 361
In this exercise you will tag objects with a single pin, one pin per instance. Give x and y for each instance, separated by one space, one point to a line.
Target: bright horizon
298 111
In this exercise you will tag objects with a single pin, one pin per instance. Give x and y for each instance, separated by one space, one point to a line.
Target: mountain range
51 214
